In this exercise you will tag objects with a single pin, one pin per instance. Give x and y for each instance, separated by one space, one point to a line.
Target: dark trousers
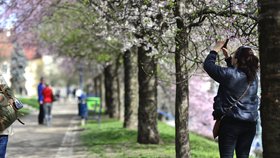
41 115
236 135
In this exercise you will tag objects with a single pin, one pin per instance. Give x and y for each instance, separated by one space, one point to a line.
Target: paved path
61 140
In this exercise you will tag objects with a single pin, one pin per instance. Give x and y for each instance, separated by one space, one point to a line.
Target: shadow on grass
110 137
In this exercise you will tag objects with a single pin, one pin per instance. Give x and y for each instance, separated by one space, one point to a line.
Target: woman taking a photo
236 102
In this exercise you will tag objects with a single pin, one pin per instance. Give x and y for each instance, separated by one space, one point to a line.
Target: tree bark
131 90
147 110
111 91
102 92
269 37
95 86
120 85
182 89
121 97
99 86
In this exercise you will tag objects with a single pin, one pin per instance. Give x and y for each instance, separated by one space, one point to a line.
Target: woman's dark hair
247 62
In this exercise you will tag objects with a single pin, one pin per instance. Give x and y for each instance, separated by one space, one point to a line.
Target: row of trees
145 36
153 32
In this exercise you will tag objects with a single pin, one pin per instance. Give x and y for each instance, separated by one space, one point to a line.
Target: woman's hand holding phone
225 52
218 46
222 45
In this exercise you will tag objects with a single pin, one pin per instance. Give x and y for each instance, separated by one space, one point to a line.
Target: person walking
48 99
40 88
236 102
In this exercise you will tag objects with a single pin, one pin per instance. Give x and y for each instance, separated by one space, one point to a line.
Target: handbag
217 124
54 98
8 110
216 127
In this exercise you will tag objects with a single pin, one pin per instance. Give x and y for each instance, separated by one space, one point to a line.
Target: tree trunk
102 92
182 89
147 110
120 110
131 90
95 86
99 85
111 91
121 98
269 37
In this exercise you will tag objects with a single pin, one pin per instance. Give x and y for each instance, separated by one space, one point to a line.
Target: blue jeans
236 135
3 145
48 113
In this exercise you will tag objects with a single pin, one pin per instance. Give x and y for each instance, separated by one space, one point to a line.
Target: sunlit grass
111 140
29 101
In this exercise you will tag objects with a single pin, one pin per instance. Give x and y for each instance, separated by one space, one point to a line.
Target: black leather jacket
233 83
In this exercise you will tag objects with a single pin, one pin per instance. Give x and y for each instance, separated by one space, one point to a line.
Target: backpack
8 110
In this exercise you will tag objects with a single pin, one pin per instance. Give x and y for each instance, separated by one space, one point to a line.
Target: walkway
61 140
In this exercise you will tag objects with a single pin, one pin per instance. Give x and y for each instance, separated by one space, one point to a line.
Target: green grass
29 101
111 140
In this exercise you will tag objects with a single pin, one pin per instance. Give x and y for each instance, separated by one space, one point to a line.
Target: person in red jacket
48 99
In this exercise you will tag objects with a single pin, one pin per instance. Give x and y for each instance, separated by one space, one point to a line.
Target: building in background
33 70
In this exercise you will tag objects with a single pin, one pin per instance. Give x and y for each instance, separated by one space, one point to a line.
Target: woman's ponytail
247 62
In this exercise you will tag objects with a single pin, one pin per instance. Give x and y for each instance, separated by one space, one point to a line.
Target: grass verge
29 101
111 140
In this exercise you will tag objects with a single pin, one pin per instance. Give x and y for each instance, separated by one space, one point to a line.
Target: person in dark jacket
40 88
236 102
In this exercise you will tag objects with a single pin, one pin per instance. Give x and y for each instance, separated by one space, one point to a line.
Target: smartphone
225 45
18 104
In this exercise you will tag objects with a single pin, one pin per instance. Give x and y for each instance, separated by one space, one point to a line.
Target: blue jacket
40 88
233 83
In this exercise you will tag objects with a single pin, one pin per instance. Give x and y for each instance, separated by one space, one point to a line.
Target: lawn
29 101
111 140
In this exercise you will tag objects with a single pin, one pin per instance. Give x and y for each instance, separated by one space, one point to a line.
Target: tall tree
18 64
111 90
147 110
269 35
182 89
74 36
134 19
131 89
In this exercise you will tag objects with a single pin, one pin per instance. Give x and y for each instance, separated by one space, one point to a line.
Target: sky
6 22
